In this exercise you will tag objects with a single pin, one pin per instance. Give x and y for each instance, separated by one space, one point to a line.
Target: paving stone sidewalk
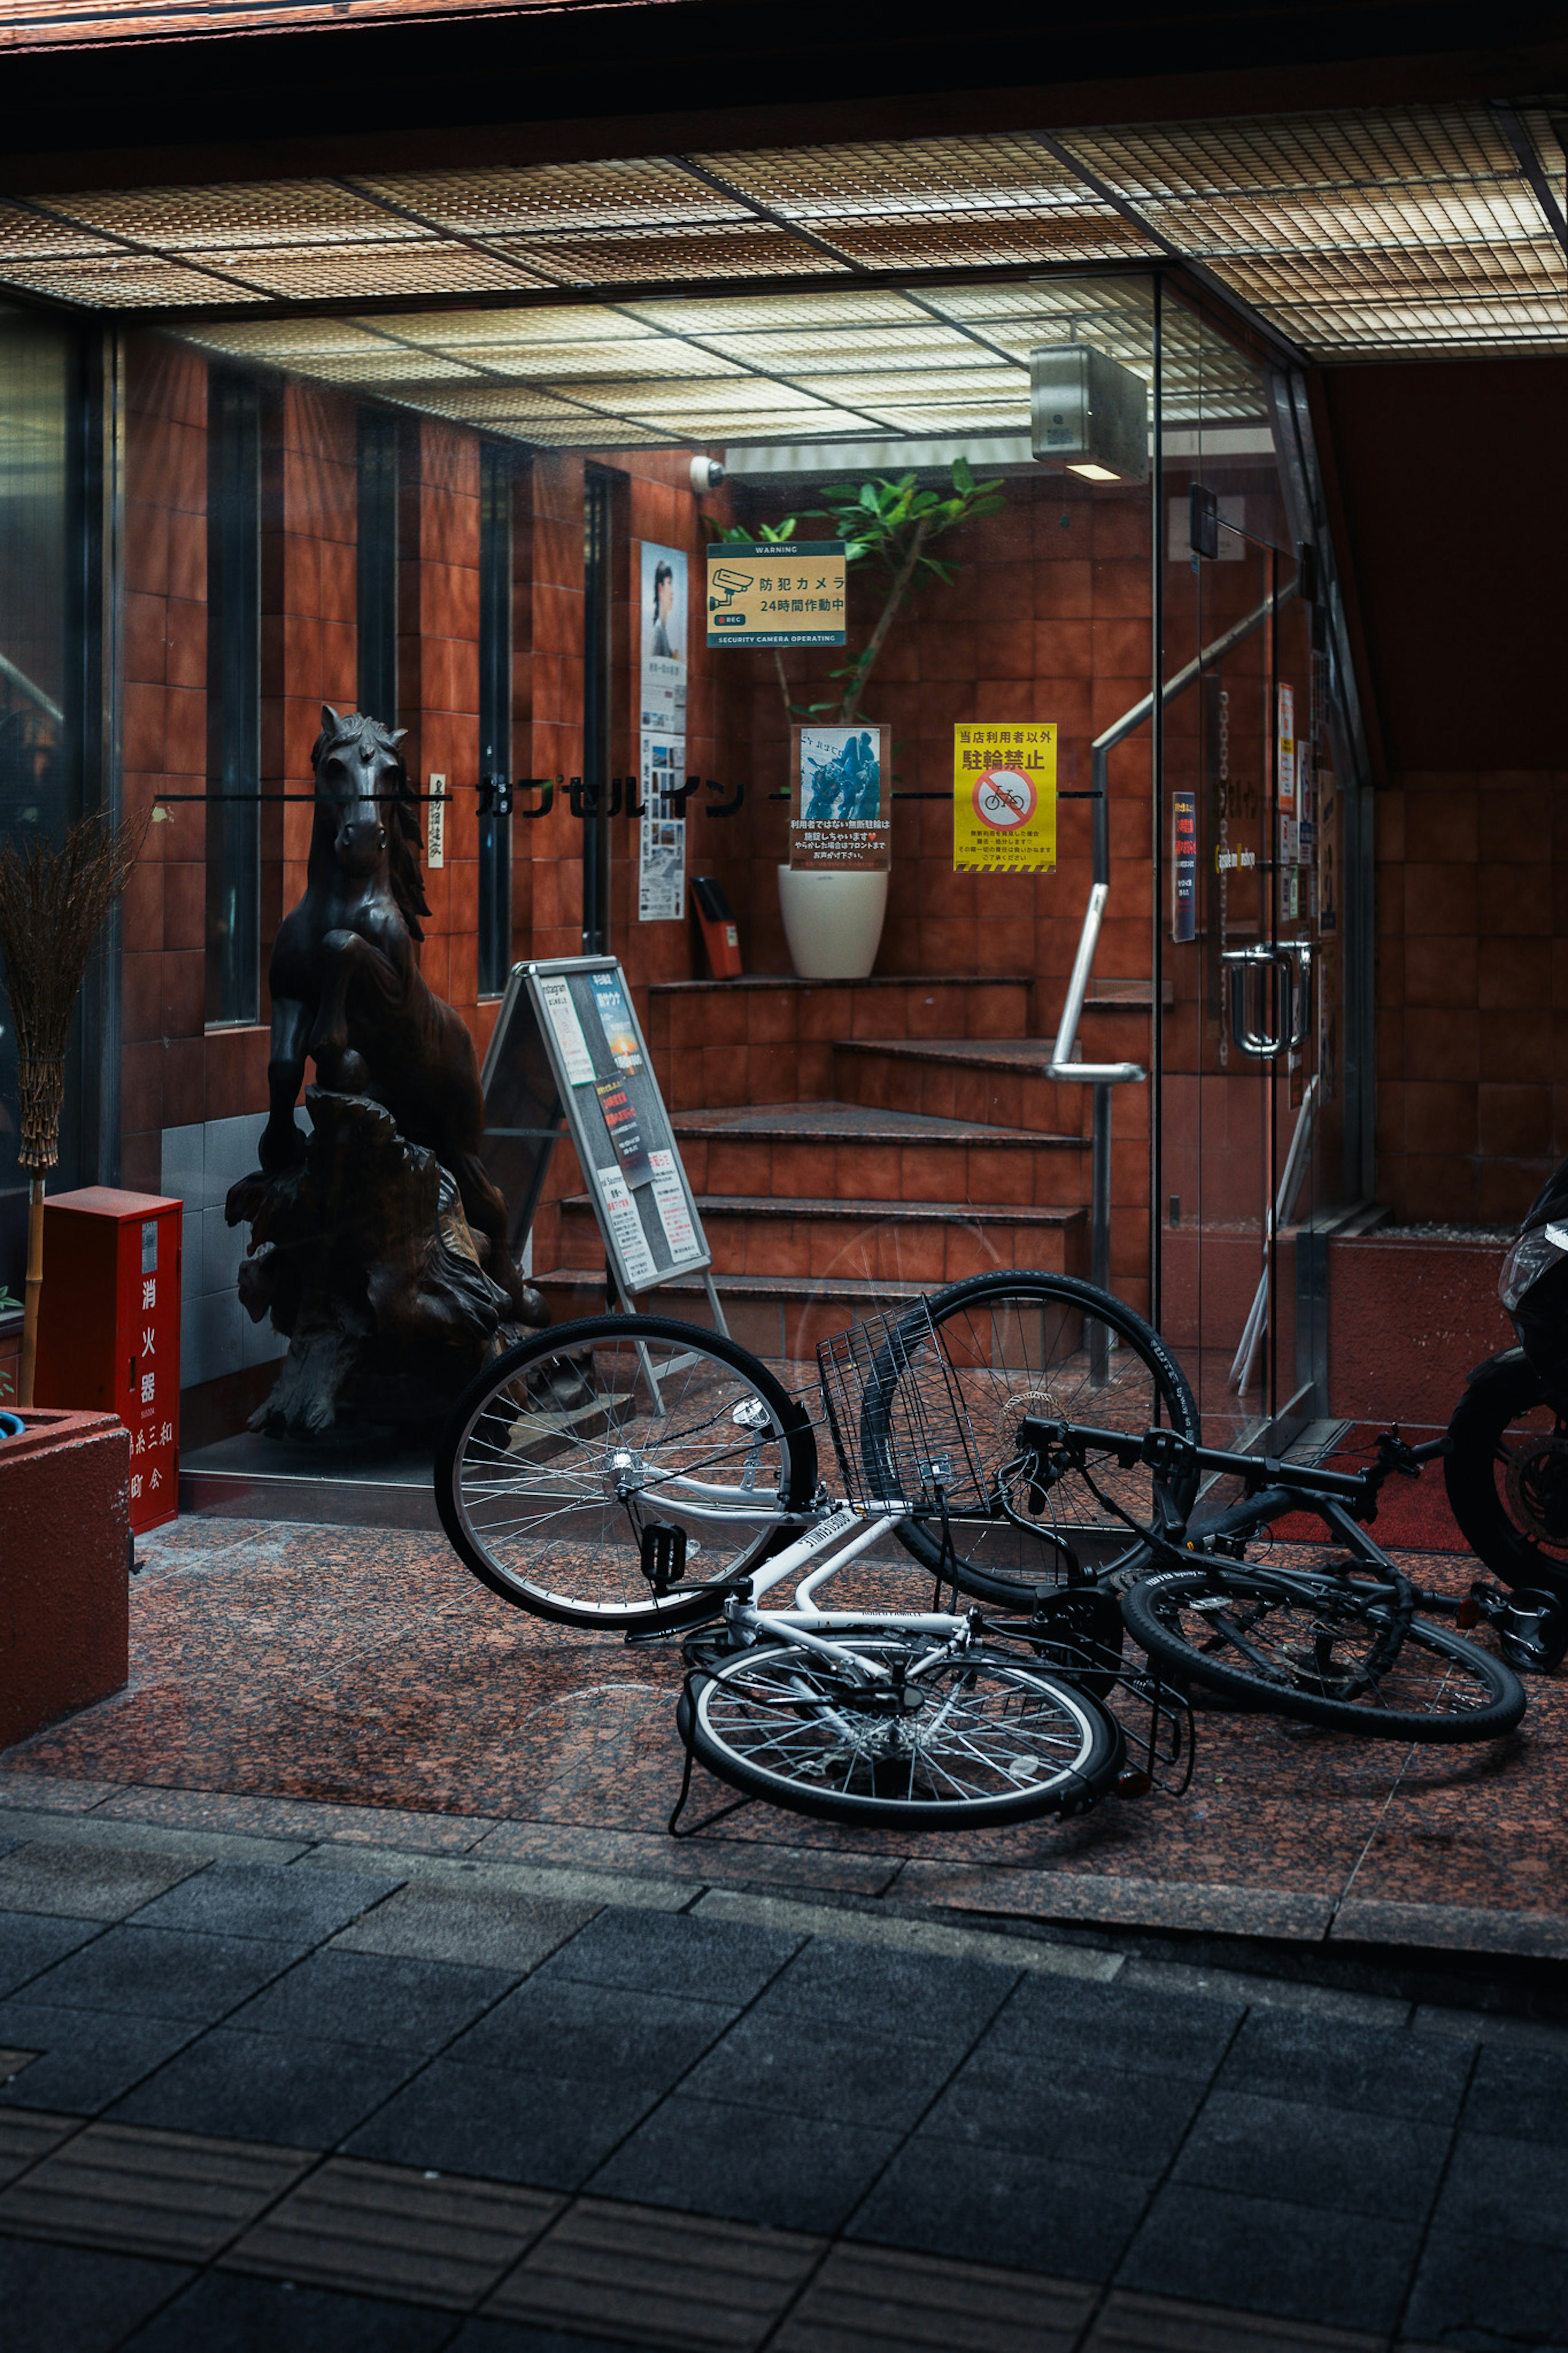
263 2092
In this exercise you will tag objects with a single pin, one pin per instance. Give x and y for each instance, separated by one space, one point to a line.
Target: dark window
234 699
378 566
46 561
598 516
495 714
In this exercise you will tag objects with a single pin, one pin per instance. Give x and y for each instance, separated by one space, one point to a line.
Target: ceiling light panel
736 395
916 347
1362 330
30 237
369 274
588 322
189 220
775 313
1415 146
126 282
991 240
652 356
547 198
639 257
927 176
1435 218
916 384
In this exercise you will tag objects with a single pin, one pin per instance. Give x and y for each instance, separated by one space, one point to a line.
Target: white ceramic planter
833 922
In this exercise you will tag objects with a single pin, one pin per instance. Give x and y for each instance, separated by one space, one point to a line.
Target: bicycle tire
1494 1489
1003 1363
541 1519
781 1722
1431 1665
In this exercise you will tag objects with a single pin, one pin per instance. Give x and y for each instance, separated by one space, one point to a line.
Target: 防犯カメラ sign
776 593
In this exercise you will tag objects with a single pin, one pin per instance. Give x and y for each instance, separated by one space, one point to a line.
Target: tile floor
651 2125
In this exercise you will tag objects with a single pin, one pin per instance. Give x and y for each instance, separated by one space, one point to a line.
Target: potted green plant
833 920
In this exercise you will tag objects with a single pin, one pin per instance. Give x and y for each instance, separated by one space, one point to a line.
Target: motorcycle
1507 1463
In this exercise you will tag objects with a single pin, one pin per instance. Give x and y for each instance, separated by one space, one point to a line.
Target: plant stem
783 691
849 709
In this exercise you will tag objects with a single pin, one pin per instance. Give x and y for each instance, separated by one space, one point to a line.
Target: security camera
707 474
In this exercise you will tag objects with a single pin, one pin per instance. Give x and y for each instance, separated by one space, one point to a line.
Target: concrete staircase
854 1142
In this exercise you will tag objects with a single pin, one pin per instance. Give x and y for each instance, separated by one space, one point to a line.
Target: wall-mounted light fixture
1088 413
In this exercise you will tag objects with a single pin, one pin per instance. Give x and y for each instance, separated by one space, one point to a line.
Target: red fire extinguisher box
109 1329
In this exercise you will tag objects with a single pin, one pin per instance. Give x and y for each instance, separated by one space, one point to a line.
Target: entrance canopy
836 291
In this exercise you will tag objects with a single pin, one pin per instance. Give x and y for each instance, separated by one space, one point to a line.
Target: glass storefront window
40 642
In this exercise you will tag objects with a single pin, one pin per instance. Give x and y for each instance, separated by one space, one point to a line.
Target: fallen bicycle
641 1475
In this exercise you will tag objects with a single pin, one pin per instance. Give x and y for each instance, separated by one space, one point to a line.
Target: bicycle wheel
1508 1477
566 1449
1322 1650
953 1744
1013 1344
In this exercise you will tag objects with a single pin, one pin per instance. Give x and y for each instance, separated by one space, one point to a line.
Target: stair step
738 1041
872 1241
994 1082
779 1317
829 1150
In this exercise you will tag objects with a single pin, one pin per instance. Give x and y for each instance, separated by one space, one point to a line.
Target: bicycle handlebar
1167 1451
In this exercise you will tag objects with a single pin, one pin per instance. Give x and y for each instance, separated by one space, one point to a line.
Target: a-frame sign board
567 1053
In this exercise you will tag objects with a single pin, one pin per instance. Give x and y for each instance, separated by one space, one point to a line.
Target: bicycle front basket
898 1423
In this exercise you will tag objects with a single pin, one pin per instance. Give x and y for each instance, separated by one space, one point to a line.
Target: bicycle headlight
1534 1254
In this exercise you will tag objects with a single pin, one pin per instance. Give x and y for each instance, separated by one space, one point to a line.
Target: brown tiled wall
439 682
1472 1023
163 1075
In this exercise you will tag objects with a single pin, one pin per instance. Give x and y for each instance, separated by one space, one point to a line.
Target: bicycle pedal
662 1554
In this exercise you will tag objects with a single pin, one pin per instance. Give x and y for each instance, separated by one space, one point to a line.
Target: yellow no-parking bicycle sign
1005 800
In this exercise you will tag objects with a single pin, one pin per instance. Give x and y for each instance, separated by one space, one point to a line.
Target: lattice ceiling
651 298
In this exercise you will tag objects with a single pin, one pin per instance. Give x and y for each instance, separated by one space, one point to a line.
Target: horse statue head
366 805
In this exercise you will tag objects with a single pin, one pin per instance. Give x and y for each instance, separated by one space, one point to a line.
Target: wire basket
898 1423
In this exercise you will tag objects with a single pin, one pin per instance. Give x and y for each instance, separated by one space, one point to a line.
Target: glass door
1247 1161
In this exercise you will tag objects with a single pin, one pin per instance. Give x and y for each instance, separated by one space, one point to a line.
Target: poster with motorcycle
841 819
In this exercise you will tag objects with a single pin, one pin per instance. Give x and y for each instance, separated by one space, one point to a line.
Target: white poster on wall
661 838
662 638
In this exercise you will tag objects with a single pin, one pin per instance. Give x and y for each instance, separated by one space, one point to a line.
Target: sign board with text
567 1054
1005 798
776 592
840 819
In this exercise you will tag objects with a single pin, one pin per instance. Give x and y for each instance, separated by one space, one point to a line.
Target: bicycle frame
848 1529
1273 1486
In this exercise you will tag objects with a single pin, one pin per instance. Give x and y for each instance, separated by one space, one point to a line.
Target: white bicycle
637 1473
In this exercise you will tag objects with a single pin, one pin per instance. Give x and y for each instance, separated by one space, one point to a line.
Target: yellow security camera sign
776 593
1005 800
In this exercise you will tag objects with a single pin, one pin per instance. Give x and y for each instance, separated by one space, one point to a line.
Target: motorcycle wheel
1507 1477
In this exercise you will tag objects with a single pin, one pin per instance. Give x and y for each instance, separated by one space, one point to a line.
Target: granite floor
282 1669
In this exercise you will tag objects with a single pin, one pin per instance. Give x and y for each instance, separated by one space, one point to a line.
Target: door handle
1248 971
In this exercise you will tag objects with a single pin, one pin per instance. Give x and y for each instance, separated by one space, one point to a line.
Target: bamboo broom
54 898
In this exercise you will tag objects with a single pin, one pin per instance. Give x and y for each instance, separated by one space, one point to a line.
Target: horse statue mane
403 871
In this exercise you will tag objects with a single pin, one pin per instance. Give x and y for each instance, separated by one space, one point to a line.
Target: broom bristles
54 898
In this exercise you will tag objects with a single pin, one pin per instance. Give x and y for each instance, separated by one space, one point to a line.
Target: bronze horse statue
348 993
